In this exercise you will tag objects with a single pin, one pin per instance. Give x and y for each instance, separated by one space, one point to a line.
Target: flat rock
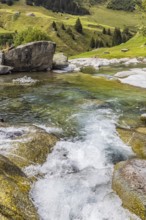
129 182
34 56
124 50
5 69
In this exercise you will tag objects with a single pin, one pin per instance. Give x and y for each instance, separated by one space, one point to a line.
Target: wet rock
33 149
143 117
14 193
5 69
34 56
2 120
136 139
129 182
60 61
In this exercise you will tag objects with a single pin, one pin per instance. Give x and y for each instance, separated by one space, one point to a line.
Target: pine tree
9 2
104 31
101 44
109 31
117 37
92 43
54 26
63 27
78 26
97 43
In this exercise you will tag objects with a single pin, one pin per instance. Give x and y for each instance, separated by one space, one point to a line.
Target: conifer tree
117 37
78 26
92 43
104 31
109 31
63 27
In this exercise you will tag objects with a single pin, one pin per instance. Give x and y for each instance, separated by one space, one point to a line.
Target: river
84 110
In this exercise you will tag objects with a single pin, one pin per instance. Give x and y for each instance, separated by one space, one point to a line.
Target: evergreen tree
54 26
109 31
101 44
78 26
117 37
104 31
92 43
9 2
63 27
97 43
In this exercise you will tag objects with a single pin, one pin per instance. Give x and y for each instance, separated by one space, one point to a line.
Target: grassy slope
136 46
92 24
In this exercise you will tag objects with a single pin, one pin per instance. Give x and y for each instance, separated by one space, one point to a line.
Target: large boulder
129 181
34 56
14 193
60 61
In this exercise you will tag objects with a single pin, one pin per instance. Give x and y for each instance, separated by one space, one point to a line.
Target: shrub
88 70
29 35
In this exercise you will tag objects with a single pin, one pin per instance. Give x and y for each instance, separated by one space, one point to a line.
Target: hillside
136 48
12 18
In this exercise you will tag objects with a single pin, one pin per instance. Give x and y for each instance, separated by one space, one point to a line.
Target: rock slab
34 56
129 181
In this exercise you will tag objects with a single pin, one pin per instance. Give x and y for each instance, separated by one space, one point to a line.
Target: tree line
63 6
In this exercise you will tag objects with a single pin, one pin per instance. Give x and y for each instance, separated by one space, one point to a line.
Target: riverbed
84 111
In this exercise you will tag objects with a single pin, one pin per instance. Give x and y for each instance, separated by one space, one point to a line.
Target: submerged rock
60 61
136 139
33 148
34 56
129 181
14 193
5 69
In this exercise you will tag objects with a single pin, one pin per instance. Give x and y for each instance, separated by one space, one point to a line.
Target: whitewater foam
78 173
25 80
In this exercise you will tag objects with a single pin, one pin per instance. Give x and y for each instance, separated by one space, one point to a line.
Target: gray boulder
34 56
60 61
5 69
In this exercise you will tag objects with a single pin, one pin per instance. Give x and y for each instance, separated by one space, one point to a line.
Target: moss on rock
136 139
129 181
34 149
14 193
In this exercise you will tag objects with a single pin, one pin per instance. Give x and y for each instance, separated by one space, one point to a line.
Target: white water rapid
76 178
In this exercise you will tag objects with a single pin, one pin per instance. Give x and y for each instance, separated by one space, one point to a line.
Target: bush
29 35
88 70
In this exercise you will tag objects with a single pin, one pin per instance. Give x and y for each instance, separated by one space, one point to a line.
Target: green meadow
93 25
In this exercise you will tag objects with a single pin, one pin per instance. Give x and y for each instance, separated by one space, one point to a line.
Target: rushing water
76 178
